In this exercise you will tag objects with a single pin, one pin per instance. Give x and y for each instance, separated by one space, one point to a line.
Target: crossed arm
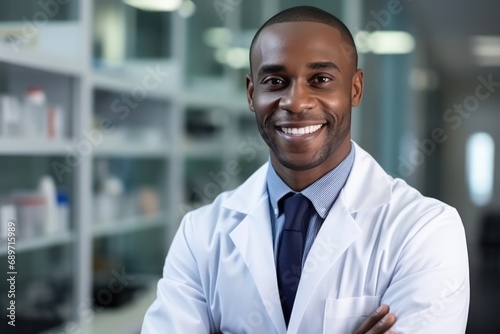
428 293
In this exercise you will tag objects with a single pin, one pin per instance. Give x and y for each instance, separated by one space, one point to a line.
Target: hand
379 322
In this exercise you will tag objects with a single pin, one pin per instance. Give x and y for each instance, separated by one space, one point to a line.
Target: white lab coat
382 242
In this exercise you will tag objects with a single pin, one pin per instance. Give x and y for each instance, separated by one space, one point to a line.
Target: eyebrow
273 68
323 65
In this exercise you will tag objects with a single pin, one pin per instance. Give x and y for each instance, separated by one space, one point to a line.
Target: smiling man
320 239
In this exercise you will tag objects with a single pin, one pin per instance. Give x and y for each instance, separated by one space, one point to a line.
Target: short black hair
309 14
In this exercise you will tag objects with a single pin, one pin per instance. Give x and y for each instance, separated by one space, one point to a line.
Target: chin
299 164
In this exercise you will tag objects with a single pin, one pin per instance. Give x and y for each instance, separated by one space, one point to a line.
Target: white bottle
35 113
47 188
10 116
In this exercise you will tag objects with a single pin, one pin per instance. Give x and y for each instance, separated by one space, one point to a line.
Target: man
321 239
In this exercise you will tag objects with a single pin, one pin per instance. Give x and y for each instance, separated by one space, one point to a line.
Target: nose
297 98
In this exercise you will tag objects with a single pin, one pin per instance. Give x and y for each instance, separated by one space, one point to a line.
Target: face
302 87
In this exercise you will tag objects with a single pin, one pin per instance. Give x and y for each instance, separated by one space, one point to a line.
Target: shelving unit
39 243
33 147
32 59
130 225
132 151
151 153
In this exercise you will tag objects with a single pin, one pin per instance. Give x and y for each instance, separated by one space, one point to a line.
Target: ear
357 87
249 84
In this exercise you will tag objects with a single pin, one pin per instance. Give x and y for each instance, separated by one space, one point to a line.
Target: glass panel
124 35
36 11
200 62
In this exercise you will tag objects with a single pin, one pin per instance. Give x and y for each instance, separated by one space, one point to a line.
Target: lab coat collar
368 186
249 194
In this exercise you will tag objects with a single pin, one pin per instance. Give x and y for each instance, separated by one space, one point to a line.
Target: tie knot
296 209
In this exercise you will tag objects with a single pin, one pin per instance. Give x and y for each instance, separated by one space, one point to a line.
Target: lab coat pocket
344 315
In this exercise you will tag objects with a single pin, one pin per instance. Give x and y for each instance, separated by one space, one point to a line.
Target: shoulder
416 212
392 204
426 229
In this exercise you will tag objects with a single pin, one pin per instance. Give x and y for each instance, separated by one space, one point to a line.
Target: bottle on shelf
55 122
31 210
7 214
47 188
35 113
63 211
10 116
110 195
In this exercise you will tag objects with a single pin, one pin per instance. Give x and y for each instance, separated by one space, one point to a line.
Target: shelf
129 225
38 243
126 84
126 319
155 146
39 61
132 151
39 147
199 149
233 102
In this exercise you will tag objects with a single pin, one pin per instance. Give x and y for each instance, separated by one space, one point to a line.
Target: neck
298 180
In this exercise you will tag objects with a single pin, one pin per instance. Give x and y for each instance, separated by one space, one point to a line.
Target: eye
273 81
321 79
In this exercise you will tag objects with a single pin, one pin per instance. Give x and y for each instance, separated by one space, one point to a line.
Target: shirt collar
322 193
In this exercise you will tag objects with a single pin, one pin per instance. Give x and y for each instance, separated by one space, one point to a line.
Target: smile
301 131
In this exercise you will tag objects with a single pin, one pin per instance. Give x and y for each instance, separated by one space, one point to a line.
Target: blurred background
118 116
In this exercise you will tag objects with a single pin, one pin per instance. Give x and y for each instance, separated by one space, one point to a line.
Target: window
480 157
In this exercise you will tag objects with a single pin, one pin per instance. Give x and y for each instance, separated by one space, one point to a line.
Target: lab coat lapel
253 239
338 232
367 187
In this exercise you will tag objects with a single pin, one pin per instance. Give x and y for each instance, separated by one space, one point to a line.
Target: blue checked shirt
321 193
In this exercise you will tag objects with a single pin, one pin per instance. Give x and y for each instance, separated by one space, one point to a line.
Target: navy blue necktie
291 247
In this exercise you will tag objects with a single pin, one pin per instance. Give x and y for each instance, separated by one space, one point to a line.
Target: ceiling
448 25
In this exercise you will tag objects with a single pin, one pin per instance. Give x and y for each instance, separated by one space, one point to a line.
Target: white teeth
302 131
